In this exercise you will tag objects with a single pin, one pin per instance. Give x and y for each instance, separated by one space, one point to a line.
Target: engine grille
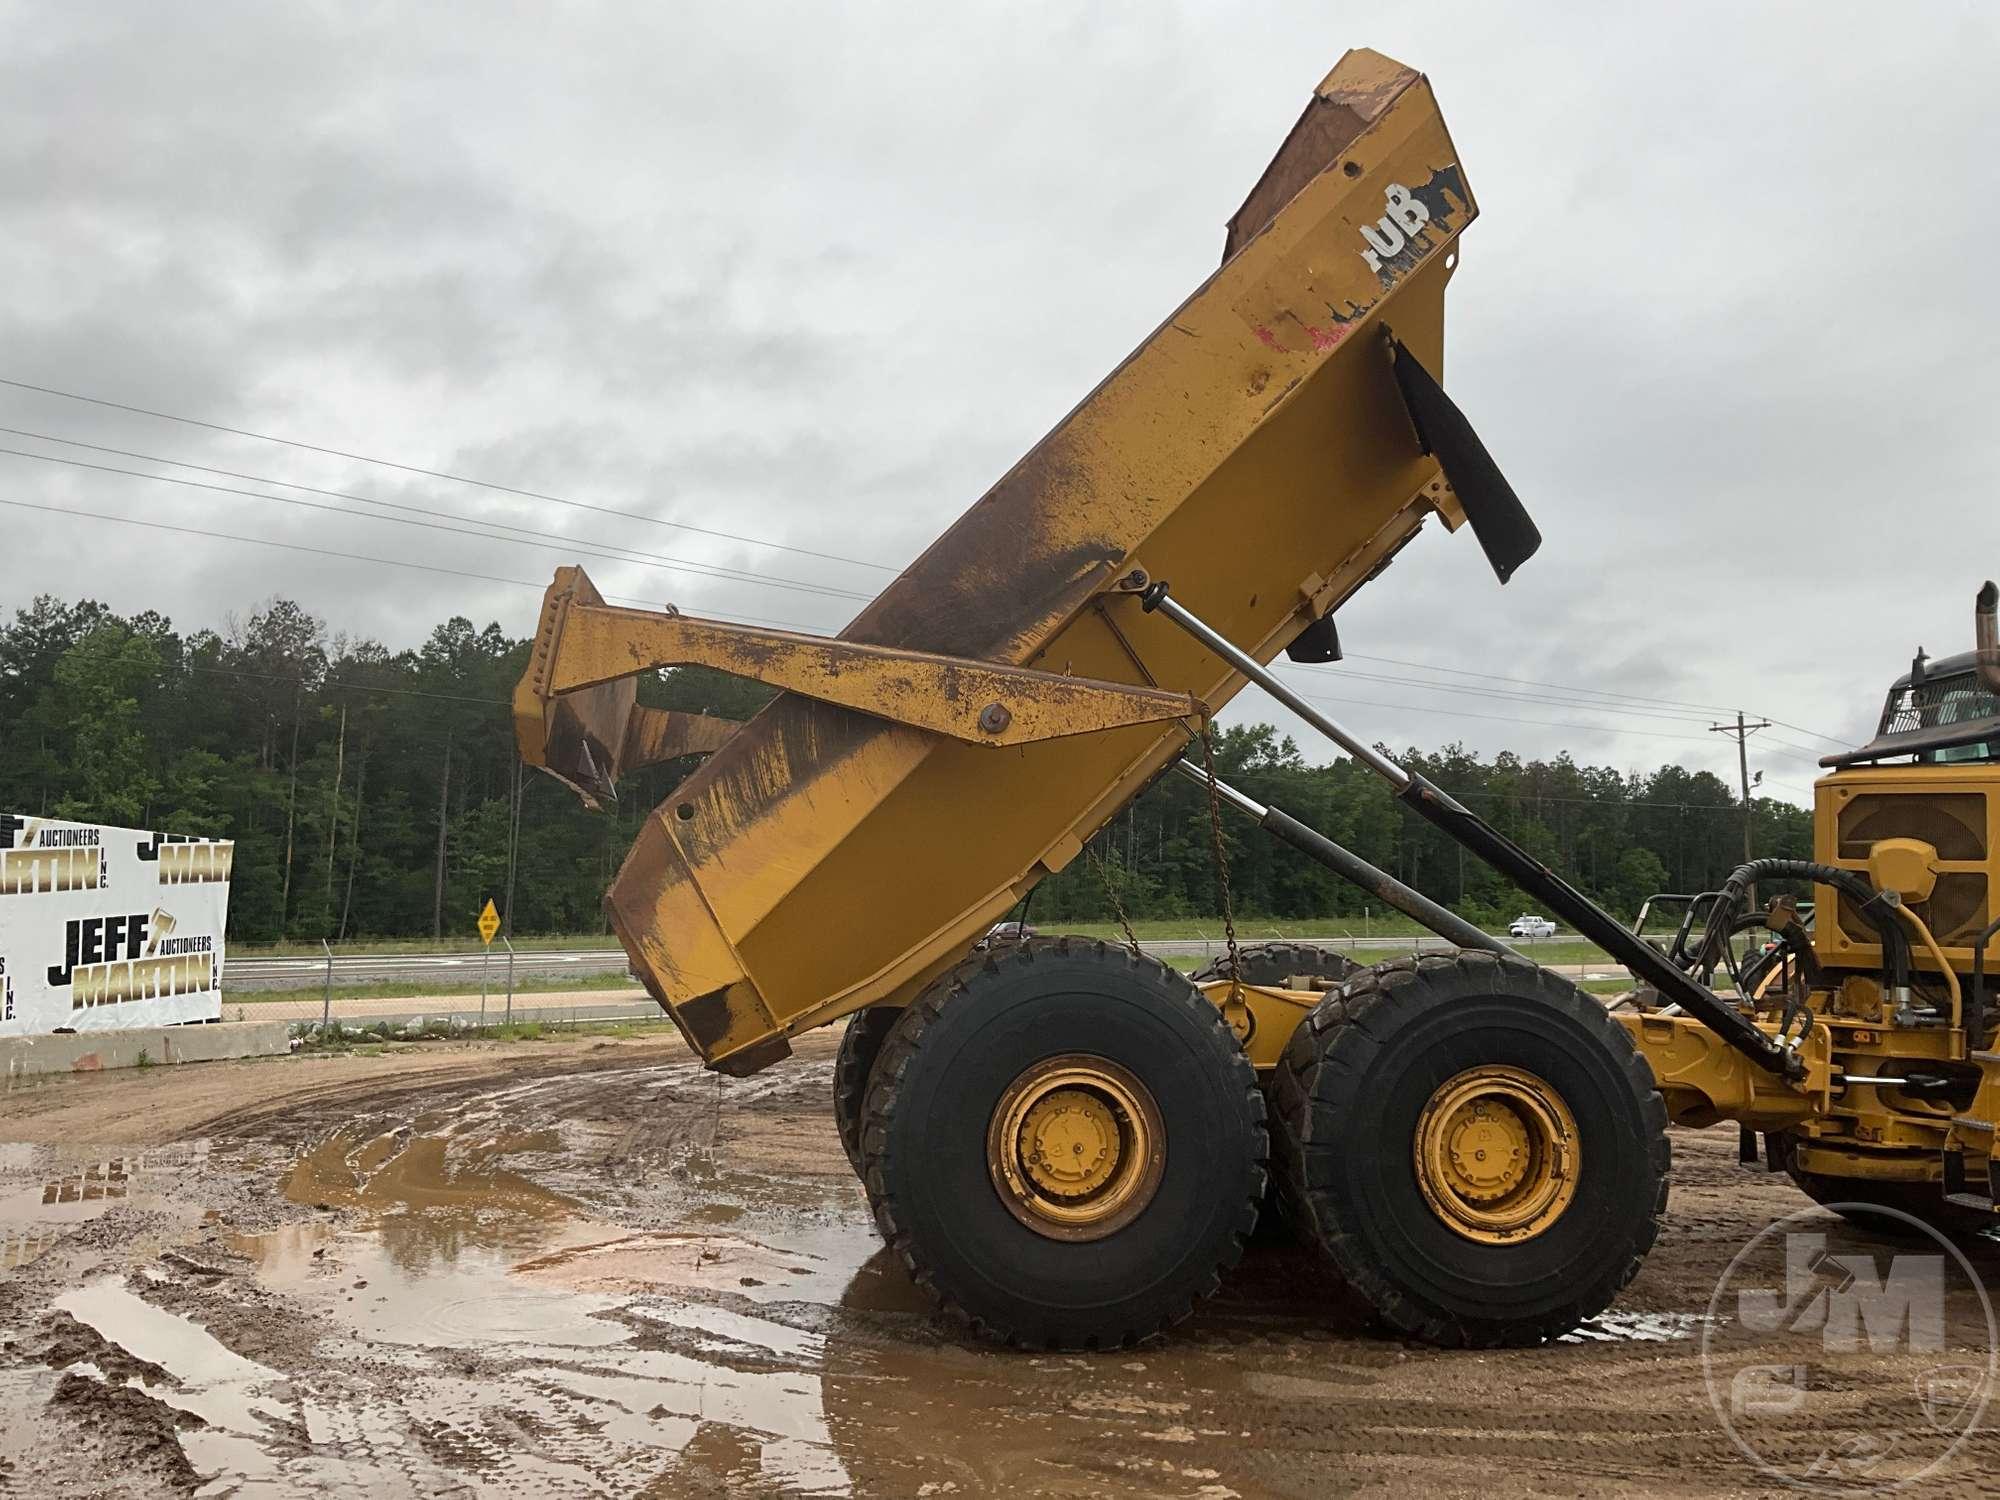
1955 824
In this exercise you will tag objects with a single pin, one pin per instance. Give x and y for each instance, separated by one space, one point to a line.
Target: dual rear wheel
1066 1147
1475 1147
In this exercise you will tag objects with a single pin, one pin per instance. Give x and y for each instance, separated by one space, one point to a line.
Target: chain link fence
411 994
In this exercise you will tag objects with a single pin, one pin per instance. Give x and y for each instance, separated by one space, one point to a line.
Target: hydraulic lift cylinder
1350 866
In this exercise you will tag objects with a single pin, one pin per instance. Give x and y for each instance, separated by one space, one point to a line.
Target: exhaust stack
1986 636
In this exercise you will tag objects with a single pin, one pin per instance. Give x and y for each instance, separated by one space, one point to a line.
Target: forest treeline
376 793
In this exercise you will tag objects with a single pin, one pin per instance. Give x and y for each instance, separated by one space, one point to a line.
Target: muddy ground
586 1267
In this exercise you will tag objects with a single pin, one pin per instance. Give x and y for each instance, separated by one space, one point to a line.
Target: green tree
97 684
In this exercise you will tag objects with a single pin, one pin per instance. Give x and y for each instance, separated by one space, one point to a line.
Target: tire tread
1314 1077
903 1049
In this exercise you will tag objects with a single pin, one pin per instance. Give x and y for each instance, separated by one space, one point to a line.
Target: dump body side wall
1253 451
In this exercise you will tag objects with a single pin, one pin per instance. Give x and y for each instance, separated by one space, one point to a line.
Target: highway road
240 974
427 969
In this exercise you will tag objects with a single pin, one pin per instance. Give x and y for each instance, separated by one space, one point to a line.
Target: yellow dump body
1253 451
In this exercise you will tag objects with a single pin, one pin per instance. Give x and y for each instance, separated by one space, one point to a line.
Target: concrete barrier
90 1051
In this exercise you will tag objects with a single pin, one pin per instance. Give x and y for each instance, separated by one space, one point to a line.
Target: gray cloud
821 274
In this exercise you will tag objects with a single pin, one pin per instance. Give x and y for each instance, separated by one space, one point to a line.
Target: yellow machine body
1931 832
922 772
1913 827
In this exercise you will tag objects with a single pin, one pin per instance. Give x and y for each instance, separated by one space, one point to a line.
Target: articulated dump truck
1067 1142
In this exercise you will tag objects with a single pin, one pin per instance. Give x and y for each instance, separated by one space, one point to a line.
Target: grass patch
1249 929
375 1039
393 990
1549 951
467 942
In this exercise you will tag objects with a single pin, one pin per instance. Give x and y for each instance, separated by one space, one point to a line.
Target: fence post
326 999
510 979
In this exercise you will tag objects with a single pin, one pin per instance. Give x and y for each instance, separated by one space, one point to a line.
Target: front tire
1474 1145
1064 1144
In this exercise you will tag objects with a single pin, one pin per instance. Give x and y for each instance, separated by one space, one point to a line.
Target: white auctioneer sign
107 928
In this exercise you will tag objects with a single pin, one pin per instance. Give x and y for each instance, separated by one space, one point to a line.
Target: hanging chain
1215 845
1118 906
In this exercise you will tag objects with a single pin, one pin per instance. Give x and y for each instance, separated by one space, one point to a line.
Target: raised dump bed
1256 450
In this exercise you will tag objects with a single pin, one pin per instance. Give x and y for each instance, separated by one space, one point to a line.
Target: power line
1806 750
484 484
1589 707
484 532
331 684
1457 689
383 562
1392 661
1789 786
1525 796
1562 687
1653 734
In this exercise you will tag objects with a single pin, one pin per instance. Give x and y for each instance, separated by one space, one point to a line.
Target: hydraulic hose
1922 930
1975 1011
1877 909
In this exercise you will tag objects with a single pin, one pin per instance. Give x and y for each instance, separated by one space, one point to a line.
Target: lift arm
585 647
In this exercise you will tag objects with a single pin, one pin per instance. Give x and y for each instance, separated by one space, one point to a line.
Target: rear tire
860 1045
1422 1058
1273 963
1161 1108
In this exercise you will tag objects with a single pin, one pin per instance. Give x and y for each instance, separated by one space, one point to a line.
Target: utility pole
444 804
333 808
513 847
1743 730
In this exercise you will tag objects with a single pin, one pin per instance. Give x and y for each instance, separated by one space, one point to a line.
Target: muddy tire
1274 963
860 1045
1277 963
1411 1070
1064 1144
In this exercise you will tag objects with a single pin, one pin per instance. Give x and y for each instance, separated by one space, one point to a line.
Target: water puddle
480 1325
713 1262
77 1185
535 1386
1636 1328
452 1312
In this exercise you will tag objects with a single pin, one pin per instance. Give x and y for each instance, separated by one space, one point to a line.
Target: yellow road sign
489 924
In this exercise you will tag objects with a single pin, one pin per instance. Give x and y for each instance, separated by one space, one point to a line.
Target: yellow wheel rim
1076 1147
1497 1154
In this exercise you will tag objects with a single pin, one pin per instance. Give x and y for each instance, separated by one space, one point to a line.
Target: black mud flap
1499 520
1318 642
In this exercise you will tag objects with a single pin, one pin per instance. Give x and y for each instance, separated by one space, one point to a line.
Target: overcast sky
819 274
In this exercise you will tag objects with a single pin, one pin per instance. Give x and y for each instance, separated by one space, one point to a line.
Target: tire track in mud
636 1278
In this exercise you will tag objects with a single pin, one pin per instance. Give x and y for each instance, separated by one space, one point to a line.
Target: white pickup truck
1528 926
